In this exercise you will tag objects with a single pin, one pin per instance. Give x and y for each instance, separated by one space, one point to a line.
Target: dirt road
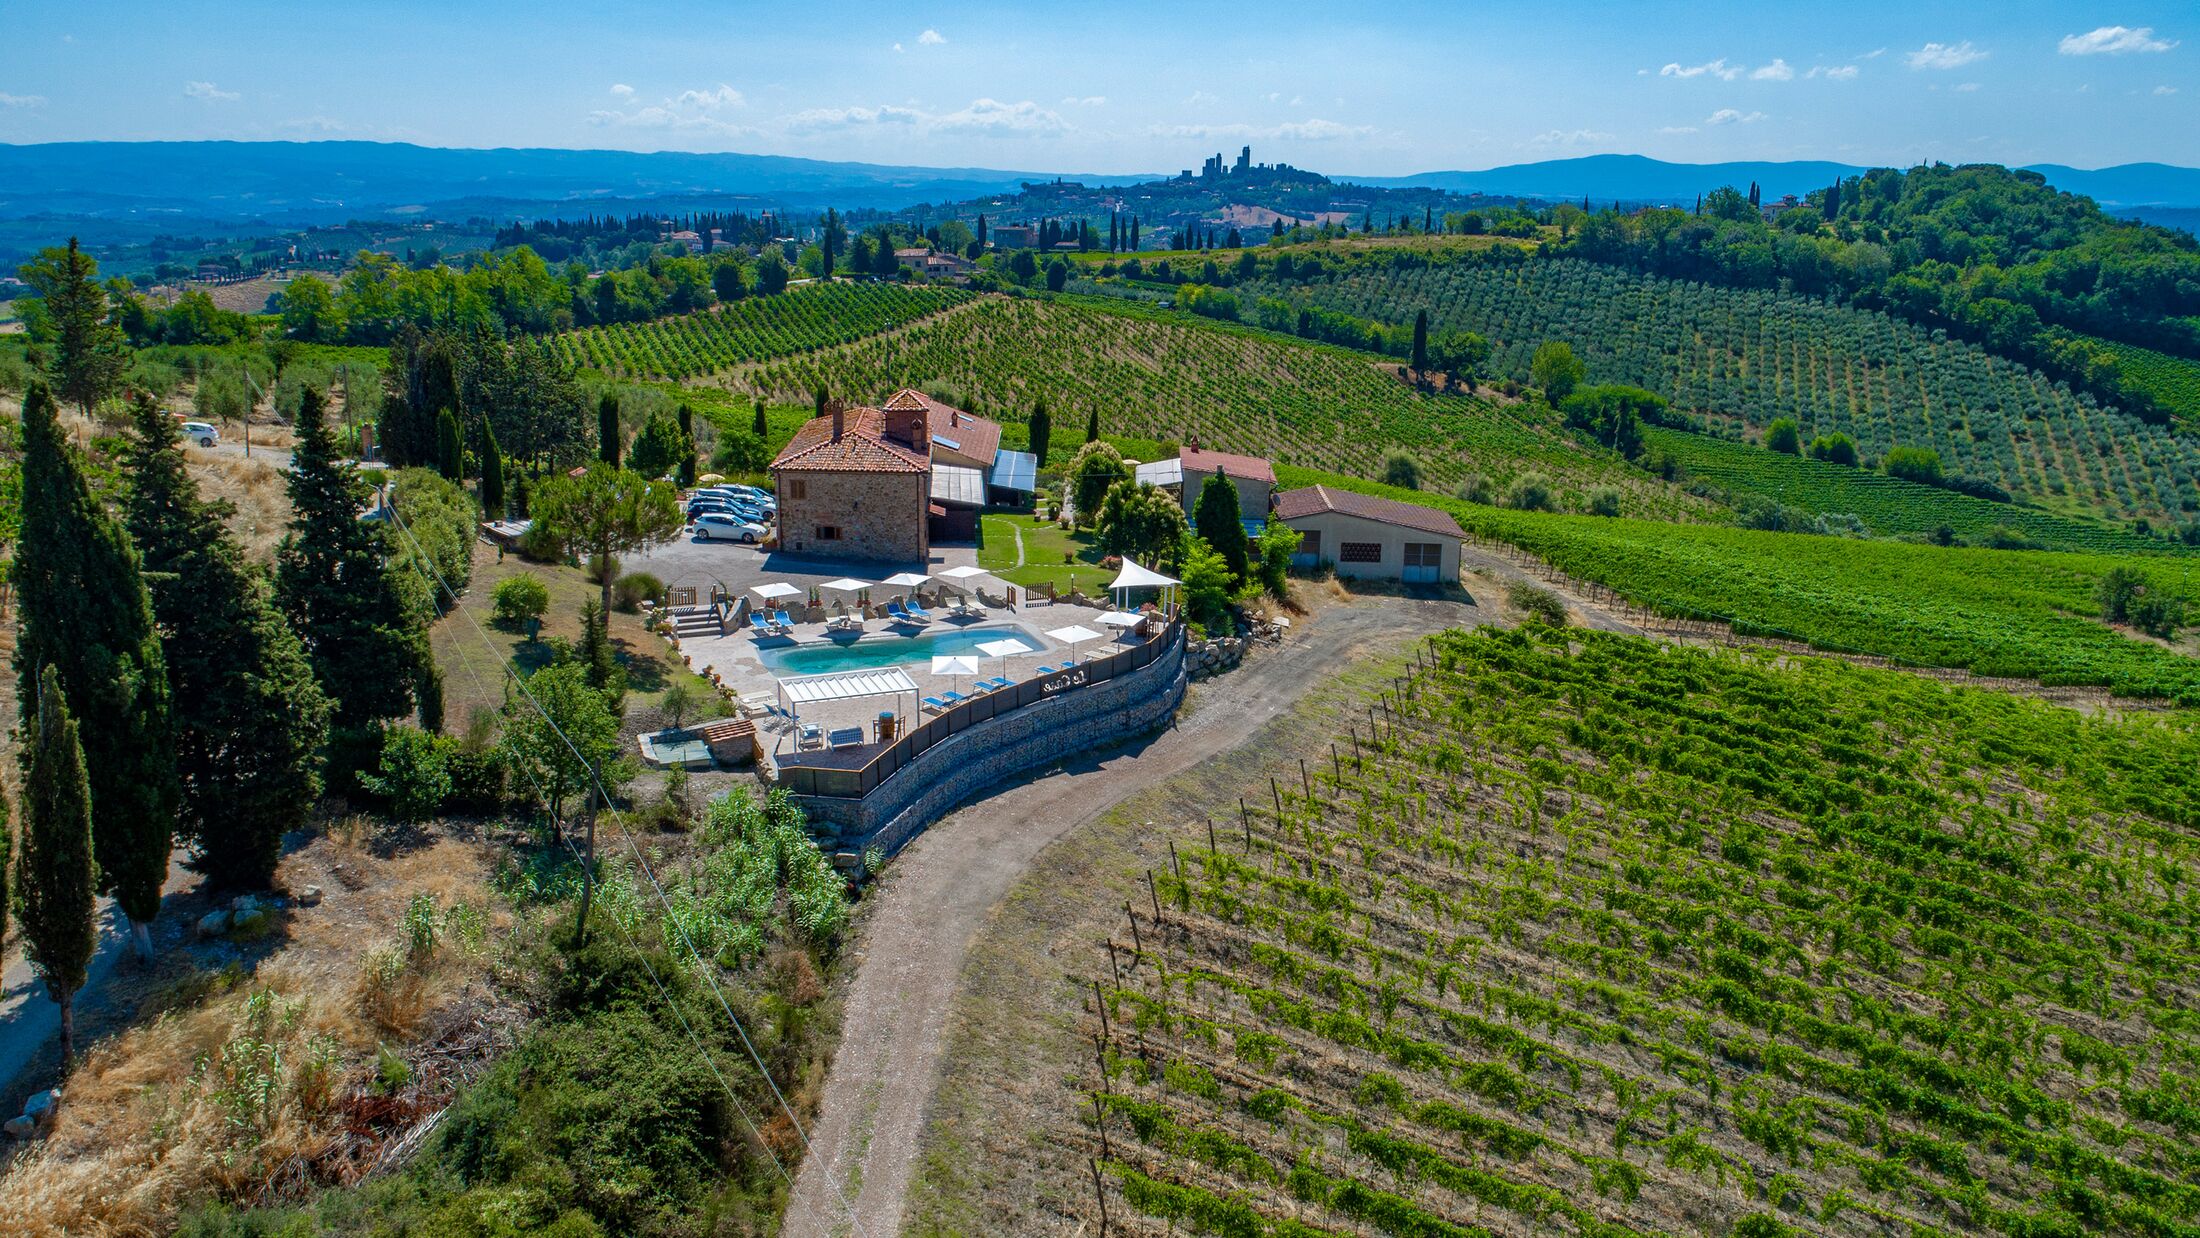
944 886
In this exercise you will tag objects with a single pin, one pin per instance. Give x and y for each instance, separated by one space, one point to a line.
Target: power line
641 861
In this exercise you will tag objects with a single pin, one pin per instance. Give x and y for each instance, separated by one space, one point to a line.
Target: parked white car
720 527
199 432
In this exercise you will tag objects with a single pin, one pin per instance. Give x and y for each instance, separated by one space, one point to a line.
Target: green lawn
1050 555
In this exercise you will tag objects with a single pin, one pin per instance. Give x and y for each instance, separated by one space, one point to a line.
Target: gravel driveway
944 886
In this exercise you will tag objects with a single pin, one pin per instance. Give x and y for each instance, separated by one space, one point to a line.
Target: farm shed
1369 537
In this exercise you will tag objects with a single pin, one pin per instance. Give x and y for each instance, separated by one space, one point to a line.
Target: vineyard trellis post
1137 943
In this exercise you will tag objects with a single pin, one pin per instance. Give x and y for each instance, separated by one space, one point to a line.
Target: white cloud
1313 130
1677 129
1873 54
898 47
8 100
1944 56
690 111
1716 68
1777 71
821 119
1200 98
2159 90
1965 88
1569 137
1087 101
710 100
931 38
1834 73
210 92
2113 41
622 90
991 116
1733 116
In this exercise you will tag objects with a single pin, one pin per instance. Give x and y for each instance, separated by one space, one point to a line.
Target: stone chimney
839 412
912 426
1191 442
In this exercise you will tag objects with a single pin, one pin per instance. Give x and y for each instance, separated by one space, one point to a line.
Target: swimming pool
876 651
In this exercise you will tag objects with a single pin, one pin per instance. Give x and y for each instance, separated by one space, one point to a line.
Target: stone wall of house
880 515
992 751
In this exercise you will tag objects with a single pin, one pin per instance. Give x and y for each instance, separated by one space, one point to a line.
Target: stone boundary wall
1206 658
997 749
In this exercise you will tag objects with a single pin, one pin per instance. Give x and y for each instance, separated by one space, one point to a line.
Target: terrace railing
845 783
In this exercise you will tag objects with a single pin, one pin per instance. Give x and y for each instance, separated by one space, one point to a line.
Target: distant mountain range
1638 178
134 187
319 182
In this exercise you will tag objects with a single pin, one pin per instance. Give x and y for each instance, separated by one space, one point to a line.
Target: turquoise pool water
875 651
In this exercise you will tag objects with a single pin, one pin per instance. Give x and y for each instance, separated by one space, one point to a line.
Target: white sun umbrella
964 579
848 587
1120 620
1074 635
1004 650
954 664
906 581
774 591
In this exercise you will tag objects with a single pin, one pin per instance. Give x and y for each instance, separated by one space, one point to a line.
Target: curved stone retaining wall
992 751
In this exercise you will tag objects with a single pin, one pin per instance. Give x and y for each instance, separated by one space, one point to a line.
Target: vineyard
1757 356
1888 506
800 320
1575 933
2015 613
2174 382
1162 377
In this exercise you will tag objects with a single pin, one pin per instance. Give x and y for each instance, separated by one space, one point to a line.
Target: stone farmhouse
886 483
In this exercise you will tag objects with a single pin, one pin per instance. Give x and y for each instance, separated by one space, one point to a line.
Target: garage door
1424 563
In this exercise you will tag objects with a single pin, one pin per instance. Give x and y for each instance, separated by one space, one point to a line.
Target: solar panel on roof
947 442
1015 470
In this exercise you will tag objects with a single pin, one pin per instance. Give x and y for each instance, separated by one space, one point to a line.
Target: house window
828 532
1360 552
1424 554
798 488
1310 543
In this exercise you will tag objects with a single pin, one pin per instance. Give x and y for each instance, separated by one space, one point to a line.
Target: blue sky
1372 89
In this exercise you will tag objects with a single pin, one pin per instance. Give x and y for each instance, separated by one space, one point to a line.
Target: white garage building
1368 537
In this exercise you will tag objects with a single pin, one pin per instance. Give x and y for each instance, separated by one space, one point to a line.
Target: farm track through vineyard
1758 355
1575 932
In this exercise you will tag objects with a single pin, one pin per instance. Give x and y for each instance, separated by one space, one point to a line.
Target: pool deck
735 658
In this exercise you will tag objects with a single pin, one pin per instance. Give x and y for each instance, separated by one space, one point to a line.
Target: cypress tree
492 473
249 717
1219 522
85 613
1420 342
607 429
1092 425
756 419
450 447
687 437
59 876
331 584
1042 429
596 654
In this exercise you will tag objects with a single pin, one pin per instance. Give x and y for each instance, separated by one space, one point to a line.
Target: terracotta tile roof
862 447
977 438
1314 500
1197 460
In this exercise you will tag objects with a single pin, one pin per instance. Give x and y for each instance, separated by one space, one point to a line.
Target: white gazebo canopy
774 590
1135 577
843 686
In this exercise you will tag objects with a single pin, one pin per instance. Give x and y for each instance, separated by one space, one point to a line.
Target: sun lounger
936 705
780 617
995 684
846 737
895 612
918 613
759 624
953 698
1049 670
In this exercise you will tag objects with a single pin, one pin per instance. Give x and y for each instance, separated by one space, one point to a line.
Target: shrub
633 589
1096 469
1834 449
478 780
1784 435
1402 469
519 599
1604 501
2157 613
1539 604
413 774
1529 492
1475 488
1918 464
2117 588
